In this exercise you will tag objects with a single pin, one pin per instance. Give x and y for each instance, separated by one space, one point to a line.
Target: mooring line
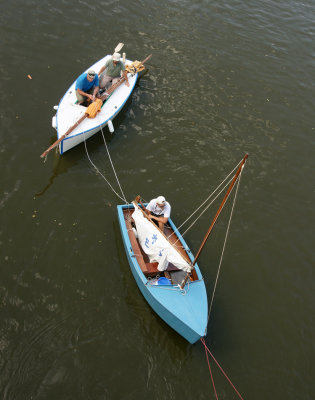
98 171
221 369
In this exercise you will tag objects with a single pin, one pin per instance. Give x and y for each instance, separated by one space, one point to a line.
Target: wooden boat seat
152 270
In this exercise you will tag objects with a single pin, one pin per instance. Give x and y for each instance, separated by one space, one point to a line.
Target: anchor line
221 369
212 380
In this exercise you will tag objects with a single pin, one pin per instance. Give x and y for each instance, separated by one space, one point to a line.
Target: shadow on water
62 163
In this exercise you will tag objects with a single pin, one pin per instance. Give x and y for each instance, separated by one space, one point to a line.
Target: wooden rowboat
185 310
69 112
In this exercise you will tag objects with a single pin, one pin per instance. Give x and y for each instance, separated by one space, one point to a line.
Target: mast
216 217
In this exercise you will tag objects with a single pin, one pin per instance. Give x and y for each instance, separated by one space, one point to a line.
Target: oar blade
118 47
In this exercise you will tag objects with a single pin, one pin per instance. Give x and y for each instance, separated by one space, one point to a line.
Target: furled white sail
156 246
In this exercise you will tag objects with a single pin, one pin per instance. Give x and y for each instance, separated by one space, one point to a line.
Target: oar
118 47
103 98
55 144
138 200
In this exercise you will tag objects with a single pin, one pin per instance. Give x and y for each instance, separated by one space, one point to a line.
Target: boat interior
149 269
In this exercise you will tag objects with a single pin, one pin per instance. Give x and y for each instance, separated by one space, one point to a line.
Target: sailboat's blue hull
186 311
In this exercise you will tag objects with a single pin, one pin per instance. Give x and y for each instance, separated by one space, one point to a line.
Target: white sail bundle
156 246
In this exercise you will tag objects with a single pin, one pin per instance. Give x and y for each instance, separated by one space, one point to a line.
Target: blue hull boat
172 282
183 309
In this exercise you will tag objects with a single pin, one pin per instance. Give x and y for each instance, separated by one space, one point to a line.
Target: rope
221 369
126 202
209 197
206 208
225 240
97 170
215 392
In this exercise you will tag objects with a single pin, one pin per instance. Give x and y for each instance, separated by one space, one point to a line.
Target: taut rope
110 159
123 198
225 240
207 199
221 369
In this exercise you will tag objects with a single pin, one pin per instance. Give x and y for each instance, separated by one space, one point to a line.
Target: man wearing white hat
159 210
111 71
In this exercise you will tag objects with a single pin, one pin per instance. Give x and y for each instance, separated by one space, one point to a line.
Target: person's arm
85 94
96 87
101 70
126 77
95 91
159 219
148 208
104 67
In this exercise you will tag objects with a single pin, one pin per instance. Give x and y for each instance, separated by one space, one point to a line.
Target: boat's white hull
68 112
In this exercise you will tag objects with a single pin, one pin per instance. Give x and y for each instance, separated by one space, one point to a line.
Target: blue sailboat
165 270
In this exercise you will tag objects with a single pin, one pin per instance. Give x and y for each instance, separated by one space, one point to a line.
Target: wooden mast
216 217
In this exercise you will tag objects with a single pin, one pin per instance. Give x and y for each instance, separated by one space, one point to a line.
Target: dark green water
225 78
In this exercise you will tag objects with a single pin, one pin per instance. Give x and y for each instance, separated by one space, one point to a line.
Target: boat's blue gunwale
127 245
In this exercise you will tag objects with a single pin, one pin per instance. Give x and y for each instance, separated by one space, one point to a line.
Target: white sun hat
116 56
160 200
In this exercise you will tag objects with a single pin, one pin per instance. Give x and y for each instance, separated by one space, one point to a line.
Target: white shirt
155 209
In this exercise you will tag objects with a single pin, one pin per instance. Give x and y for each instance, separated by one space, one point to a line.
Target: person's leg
83 100
104 80
80 98
115 80
161 226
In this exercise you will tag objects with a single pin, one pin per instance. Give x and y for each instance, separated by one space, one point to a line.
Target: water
224 78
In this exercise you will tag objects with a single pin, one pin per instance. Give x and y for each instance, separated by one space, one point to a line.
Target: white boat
69 112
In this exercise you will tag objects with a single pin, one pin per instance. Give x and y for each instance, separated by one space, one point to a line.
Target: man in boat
87 86
159 210
111 72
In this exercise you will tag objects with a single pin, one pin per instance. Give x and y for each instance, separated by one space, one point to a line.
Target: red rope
215 392
207 350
